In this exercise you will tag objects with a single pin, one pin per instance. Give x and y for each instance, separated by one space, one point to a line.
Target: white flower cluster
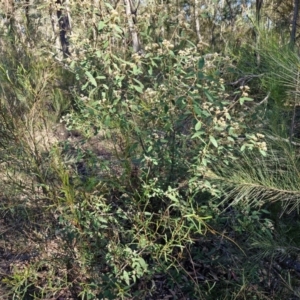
162 88
136 57
202 45
186 51
68 120
152 46
167 44
149 93
262 146
245 89
152 96
256 140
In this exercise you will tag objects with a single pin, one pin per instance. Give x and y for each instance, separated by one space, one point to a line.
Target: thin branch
241 81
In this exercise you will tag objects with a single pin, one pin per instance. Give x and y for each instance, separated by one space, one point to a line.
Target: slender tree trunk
294 110
27 13
95 10
64 23
294 24
258 8
162 29
131 18
197 21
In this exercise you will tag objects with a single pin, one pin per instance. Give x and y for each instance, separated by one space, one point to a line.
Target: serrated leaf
213 141
91 78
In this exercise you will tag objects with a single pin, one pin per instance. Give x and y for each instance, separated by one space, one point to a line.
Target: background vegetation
149 150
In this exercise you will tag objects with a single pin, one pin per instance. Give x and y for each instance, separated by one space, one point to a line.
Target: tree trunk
294 24
27 12
197 22
131 17
64 23
258 8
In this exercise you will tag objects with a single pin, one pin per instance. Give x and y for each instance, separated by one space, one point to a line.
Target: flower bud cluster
149 92
136 57
167 44
262 146
245 89
152 46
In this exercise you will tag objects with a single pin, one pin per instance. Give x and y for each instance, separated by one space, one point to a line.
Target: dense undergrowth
166 174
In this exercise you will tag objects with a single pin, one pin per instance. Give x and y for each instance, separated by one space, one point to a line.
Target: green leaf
91 78
200 75
138 88
143 264
108 5
138 82
101 25
117 28
197 110
201 63
84 86
166 109
243 99
198 134
172 198
213 141
126 277
263 153
209 96
107 120
198 125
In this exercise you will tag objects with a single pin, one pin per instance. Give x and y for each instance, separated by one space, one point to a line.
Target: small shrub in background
128 203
